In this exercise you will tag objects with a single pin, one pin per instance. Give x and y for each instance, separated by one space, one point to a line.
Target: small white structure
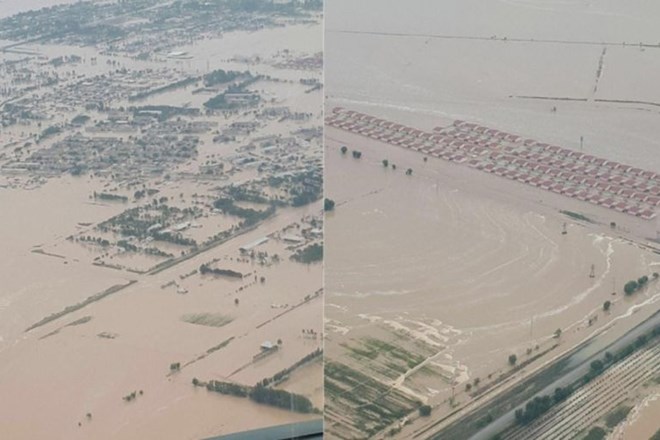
293 238
248 247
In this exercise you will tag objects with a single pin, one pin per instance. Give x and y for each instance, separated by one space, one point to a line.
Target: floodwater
91 358
148 334
642 422
450 68
471 257
439 245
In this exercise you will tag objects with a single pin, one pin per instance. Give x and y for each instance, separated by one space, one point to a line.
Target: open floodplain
161 222
438 272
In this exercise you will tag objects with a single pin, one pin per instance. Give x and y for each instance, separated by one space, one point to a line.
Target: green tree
513 359
425 410
344 149
328 204
607 305
409 172
630 287
386 163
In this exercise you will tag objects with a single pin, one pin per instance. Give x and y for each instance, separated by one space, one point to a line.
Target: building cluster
150 154
92 93
303 62
574 174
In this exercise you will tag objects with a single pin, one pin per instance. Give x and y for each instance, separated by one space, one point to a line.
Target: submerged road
495 39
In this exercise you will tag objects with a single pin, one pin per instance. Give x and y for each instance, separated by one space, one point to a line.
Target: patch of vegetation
206 269
80 120
283 375
577 216
633 286
220 77
48 132
245 194
228 388
207 319
328 205
132 396
596 433
617 416
372 348
166 88
261 394
281 399
250 216
110 197
310 254
220 346
307 187
533 410
80 305
372 404
83 320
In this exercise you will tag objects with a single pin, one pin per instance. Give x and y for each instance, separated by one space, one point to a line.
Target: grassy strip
577 216
260 394
80 305
283 375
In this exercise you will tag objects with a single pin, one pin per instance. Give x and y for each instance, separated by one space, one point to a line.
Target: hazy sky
11 7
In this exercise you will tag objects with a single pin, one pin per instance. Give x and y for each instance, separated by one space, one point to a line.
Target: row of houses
563 171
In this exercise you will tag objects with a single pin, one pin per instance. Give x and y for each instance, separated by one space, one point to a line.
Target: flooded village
161 183
502 186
